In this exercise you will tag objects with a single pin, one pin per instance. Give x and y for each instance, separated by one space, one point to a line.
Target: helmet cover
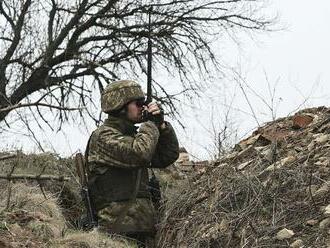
117 94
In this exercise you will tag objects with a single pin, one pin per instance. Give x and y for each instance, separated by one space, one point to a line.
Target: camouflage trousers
132 219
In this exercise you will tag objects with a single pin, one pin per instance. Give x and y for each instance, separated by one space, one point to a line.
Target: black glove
157 119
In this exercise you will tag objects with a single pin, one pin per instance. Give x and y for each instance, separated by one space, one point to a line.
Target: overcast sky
295 61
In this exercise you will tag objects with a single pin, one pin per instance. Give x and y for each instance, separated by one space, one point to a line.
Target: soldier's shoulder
104 130
107 130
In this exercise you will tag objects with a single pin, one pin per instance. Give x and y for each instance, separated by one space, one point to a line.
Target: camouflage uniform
116 154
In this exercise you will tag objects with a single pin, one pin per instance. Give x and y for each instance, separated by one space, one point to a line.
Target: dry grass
92 239
32 219
67 193
28 207
231 207
39 213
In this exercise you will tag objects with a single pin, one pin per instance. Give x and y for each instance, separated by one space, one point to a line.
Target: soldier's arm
167 149
127 151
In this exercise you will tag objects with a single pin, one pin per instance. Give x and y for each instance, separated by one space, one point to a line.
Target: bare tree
55 53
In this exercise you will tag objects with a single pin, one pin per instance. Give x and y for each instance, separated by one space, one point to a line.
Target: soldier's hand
156 113
154 108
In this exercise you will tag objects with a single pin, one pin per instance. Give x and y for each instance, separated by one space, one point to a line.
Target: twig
34 177
37 104
12 234
238 81
9 182
8 157
310 189
38 180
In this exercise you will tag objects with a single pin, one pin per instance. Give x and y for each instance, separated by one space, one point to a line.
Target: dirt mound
271 190
40 213
32 218
28 217
24 167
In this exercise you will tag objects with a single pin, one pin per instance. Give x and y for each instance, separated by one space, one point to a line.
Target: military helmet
117 94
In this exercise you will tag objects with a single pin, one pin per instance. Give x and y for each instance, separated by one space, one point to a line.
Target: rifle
145 114
91 220
153 184
149 57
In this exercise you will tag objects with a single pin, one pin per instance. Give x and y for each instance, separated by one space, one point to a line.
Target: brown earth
271 190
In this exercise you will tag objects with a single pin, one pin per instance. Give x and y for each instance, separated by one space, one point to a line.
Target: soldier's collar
123 125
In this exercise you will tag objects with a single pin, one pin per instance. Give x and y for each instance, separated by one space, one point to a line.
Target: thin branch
34 177
8 157
38 104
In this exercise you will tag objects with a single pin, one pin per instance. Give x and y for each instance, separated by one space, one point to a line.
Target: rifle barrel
149 68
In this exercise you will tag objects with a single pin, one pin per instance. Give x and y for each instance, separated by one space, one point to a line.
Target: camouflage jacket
116 152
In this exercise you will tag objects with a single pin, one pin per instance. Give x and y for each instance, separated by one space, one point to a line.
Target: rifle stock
82 173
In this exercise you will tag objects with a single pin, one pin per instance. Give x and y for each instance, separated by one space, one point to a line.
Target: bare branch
37 104
34 177
8 157
69 49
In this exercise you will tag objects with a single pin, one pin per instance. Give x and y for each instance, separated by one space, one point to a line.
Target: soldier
118 157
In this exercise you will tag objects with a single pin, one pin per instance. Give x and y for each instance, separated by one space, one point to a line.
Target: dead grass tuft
30 216
92 239
276 180
28 207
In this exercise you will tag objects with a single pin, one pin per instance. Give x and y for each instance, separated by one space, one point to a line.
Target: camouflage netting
271 190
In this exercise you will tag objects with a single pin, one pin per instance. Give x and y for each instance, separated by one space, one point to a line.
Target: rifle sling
86 155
